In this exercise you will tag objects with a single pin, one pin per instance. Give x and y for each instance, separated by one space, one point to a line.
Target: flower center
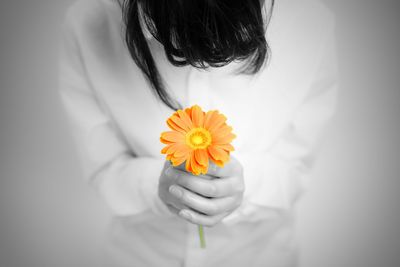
198 138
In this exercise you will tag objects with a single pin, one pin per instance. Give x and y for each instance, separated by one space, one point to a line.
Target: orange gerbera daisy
196 137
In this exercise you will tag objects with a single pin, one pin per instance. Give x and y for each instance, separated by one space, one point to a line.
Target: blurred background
350 216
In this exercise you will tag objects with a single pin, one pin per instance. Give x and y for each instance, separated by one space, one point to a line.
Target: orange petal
223 130
166 141
197 116
218 153
201 157
185 118
216 121
196 168
219 163
176 152
181 150
227 147
219 140
189 112
174 148
188 163
172 136
177 120
174 126
178 161
208 118
165 149
203 169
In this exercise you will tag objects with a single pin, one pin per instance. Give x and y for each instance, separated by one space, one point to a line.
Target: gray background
349 218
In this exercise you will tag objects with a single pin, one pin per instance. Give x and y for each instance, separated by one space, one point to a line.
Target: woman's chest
256 109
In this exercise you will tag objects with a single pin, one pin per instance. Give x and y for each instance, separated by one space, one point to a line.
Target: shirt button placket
197 93
195 255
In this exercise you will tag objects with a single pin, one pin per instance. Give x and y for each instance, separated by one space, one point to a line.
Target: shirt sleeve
128 184
277 177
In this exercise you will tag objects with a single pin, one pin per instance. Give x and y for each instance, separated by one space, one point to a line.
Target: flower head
196 138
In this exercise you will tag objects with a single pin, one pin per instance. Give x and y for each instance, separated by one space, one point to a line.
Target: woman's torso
258 107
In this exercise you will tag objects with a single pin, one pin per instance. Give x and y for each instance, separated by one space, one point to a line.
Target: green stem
201 235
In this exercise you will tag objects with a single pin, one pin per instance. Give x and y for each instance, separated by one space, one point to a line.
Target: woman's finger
172 209
231 168
198 185
217 187
201 219
208 206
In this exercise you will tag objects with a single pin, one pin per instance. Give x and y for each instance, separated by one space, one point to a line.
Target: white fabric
278 116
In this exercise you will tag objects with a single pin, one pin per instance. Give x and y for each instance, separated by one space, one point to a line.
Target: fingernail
185 214
175 191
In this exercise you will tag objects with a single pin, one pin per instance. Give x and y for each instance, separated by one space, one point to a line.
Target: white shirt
277 115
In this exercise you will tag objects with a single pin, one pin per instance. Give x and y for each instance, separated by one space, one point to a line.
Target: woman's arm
128 184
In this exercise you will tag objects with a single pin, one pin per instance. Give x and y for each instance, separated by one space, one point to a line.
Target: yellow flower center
198 138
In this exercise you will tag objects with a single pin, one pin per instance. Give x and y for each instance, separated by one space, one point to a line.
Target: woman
126 66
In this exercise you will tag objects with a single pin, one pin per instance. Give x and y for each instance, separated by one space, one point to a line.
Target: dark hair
202 33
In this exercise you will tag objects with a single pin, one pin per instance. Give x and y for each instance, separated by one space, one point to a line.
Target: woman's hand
204 199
